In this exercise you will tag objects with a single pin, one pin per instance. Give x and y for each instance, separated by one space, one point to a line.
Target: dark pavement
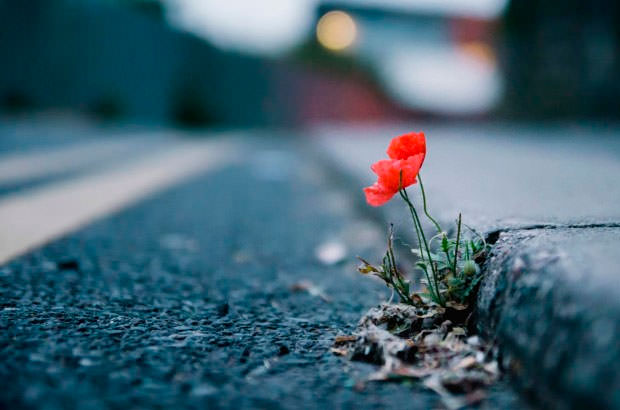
186 300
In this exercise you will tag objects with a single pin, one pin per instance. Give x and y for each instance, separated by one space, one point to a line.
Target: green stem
417 231
425 207
400 286
414 213
415 225
394 272
458 237
482 239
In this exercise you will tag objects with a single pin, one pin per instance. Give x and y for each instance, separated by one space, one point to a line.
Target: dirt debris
429 343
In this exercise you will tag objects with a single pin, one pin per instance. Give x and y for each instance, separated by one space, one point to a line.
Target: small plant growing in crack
426 336
450 264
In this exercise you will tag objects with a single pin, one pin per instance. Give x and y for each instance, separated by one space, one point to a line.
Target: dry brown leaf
456 306
466 363
344 339
442 357
458 331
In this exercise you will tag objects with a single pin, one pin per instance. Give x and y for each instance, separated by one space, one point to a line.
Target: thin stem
414 213
394 270
433 263
425 207
417 231
458 238
484 241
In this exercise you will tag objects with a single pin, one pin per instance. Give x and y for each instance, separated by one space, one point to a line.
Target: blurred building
123 62
361 60
562 59
119 62
431 57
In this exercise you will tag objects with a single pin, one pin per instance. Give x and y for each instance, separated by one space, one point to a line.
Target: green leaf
422 265
445 245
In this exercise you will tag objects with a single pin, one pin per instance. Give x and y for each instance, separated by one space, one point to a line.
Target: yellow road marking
36 217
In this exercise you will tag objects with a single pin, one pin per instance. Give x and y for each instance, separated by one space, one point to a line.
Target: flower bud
470 268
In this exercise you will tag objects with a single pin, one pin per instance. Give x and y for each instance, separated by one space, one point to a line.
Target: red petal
411 166
388 171
376 195
407 145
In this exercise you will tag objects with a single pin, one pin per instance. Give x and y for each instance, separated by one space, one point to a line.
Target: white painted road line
36 217
20 167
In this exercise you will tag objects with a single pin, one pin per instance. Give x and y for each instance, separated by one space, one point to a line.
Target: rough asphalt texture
185 301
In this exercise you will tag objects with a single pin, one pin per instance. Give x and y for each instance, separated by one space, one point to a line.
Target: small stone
244 355
68 264
473 341
202 390
428 323
223 309
432 339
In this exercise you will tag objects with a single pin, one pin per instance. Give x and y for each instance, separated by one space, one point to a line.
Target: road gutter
508 294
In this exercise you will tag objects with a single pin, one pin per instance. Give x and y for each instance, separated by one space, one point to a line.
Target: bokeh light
336 30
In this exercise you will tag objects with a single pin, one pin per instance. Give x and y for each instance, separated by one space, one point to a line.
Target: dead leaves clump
421 342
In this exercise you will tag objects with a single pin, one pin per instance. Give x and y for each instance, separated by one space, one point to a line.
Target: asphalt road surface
219 283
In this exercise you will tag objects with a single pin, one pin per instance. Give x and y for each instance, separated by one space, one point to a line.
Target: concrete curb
548 300
551 301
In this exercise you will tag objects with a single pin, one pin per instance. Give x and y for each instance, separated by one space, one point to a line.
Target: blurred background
101 106
292 63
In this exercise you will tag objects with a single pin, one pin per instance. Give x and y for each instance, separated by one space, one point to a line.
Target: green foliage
455 265
450 265
389 273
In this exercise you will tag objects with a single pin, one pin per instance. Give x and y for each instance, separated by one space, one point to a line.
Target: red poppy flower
389 178
407 145
407 154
